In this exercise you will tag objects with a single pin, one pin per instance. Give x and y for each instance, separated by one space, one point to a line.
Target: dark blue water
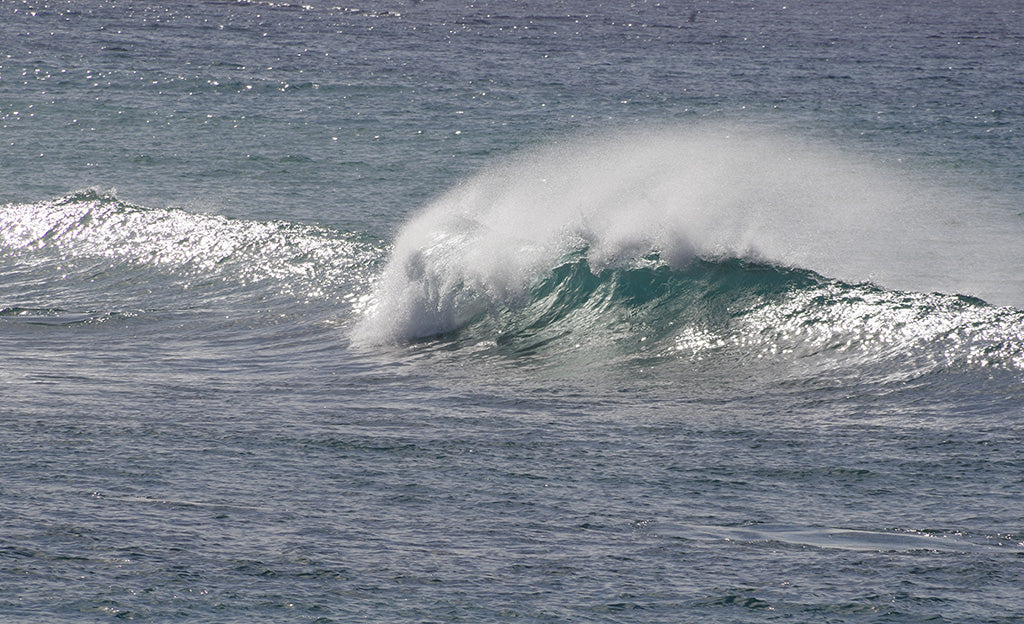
533 312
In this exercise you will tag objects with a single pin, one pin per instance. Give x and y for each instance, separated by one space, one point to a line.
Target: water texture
566 311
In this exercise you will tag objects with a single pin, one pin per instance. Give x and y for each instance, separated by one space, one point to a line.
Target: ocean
511 311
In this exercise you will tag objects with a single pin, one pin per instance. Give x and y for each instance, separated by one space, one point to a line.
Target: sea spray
711 192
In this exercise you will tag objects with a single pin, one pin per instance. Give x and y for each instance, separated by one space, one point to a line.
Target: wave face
736 311
629 223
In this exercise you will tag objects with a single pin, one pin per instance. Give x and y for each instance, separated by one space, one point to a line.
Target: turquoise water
530 312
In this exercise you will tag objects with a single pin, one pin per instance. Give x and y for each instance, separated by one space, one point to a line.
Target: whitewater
511 312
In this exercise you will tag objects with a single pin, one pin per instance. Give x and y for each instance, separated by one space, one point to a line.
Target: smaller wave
90 234
271 5
825 538
53 316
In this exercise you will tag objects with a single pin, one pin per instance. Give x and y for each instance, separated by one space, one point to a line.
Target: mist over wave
713 192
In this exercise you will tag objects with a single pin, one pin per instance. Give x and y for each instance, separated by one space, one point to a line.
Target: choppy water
572 311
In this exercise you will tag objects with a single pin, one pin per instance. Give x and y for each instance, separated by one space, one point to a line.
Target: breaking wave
690 244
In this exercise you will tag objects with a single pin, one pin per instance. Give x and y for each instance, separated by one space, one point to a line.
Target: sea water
531 311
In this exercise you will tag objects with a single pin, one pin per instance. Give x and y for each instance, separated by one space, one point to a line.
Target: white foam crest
711 192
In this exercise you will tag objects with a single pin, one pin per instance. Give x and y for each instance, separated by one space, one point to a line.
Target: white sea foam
712 191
